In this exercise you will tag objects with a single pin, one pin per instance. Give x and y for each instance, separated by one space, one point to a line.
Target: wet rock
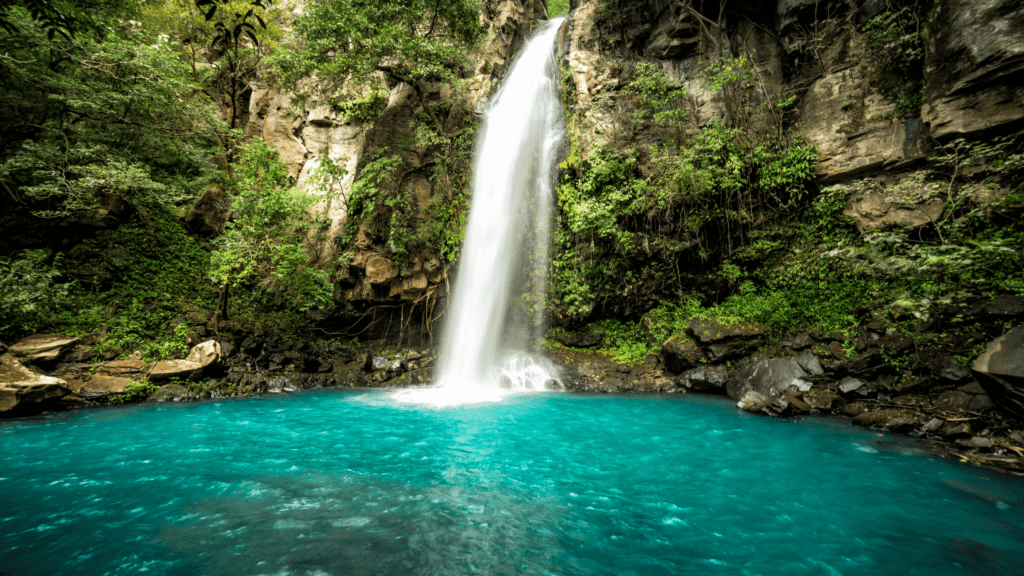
1006 307
276 361
176 369
972 388
1000 371
771 377
796 402
954 430
896 419
810 363
948 369
854 408
850 385
821 400
706 379
976 442
954 401
681 356
755 402
981 402
799 343
43 347
170 393
932 426
725 342
374 363
99 386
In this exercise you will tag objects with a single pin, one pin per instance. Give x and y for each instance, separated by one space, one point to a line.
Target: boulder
810 363
855 408
209 214
100 385
43 347
681 356
821 400
1000 371
880 211
896 419
380 270
176 369
207 354
23 390
725 341
850 385
706 379
129 367
170 393
954 401
770 377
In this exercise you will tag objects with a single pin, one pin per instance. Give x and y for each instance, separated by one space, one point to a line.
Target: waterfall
491 338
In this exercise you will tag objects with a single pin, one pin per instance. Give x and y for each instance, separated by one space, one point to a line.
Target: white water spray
491 339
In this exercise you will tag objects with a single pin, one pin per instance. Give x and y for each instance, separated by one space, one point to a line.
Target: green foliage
364 108
895 44
625 342
558 8
345 39
134 392
656 99
726 71
29 290
976 245
99 119
270 245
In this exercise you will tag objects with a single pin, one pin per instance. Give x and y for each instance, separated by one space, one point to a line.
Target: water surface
340 482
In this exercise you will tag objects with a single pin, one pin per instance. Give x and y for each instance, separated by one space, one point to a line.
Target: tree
269 245
101 117
407 39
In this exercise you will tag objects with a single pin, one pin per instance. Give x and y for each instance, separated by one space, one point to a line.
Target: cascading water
491 338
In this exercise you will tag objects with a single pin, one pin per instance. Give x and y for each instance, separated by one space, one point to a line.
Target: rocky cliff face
817 53
371 274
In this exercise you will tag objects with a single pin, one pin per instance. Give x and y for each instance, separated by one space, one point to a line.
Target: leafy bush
28 289
134 392
270 246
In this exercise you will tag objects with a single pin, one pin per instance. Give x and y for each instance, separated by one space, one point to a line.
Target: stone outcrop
974 62
182 369
1000 371
43 347
23 391
771 377
207 354
209 214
